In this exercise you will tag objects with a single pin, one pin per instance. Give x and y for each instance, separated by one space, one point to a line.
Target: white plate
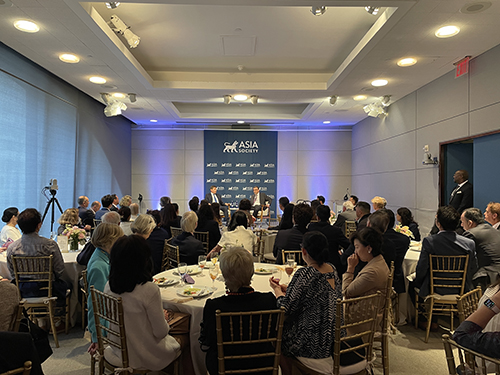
191 270
264 271
191 291
166 282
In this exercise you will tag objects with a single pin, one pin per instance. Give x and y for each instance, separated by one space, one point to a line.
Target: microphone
140 197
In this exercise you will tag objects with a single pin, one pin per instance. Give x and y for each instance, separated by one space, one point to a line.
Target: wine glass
182 270
214 272
290 258
202 260
289 269
214 258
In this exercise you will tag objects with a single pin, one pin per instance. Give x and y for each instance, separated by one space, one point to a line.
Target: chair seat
39 300
451 298
353 369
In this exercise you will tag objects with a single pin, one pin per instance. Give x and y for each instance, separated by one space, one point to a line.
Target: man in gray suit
492 214
487 240
259 200
348 214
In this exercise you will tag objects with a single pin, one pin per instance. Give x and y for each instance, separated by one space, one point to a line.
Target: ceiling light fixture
97 80
153 120
372 10
326 122
240 122
378 109
112 4
113 107
119 27
359 97
379 82
227 99
69 58
118 95
407 61
447 31
333 100
26 26
240 97
254 99
385 100
318 11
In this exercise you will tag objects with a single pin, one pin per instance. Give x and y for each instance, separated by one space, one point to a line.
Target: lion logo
230 147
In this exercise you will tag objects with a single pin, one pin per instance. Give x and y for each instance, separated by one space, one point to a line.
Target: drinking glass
202 260
214 272
289 269
182 270
214 258
290 258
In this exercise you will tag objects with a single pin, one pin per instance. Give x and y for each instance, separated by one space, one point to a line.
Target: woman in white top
130 277
9 231
237 234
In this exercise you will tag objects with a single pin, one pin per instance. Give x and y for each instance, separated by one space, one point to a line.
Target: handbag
40 337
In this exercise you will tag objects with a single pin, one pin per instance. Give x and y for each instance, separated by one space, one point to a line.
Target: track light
112 4
132 97
385 100
227 99
375 110
254 99
115 107
372 10
333 100
318 11
119 27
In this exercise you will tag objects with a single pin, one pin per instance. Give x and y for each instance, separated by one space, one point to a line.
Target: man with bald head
461 196
86 215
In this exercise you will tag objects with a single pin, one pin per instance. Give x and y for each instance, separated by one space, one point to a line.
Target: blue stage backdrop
236 161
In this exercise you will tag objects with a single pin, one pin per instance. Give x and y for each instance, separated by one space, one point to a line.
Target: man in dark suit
461 196
260 201
362 213
334 236
86 215
114 205
107 202
445 242
214 197
487 240
492 214
290 239
348 214
286 219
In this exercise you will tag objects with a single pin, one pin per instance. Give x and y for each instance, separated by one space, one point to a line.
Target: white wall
387 153
170 162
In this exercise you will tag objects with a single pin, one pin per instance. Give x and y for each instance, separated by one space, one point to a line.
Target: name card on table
62 241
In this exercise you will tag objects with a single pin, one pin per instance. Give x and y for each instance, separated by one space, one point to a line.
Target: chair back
258 250
468 303
387 318
25 370
245 339
203 237
358 317
297 254
448 273
349 228
34 270
170 258
85 288
175 231
470 362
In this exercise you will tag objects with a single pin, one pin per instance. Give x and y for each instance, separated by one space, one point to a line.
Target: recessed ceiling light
97 80
447 31
69 58
476 7
326 122
26 26
118 95
153 120
240 122
379 82
408 61
318 11
240 97
359 97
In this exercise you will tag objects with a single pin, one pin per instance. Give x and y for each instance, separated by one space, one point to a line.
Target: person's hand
274 283
87 227
93 348
3 248
352 262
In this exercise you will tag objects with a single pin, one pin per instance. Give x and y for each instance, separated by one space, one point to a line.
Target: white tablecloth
71 274
195 306
406 307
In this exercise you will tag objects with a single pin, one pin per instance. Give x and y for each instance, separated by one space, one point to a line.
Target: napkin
187 279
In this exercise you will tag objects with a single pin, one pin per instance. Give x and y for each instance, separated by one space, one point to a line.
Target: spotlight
372 10
318 11
254 99
114 109
375 110
240 97
112 4
132 97
385 100
333 100
119 27
227 99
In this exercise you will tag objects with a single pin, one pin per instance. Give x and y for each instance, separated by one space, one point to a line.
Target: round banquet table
406 307
71 274
194 306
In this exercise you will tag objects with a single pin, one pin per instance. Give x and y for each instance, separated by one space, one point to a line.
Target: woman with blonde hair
378 203
126 201
69 217
143 225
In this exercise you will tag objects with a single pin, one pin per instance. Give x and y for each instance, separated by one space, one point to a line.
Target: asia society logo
269 181
241 181
247 188
241 147
220 188
219 172
248 173
233 188
243 165
234 173
227 165
225 196
255 165
226 180
211 180
255 181
264 188
262 173
241 196
211 165
269 165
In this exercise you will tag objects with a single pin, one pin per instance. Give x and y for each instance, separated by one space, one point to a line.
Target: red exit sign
462 67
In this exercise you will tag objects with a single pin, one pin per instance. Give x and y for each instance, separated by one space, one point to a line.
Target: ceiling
194 52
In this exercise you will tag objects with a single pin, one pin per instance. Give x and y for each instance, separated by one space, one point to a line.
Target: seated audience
107 203
405 217
334 235
245 205
309 302
116 201
126 201
148 341
321 199
362 213
290 239
156 242
348 214
143 225
373 277
487 241
69 217
103 238
125 223
237 235
354 200
169 218
134 211
314 205
194 204
237 268
206 223
492 214
95 206
86 215
164 201
378 203
176 209
286 220
9 232
216 210
189 247
9 295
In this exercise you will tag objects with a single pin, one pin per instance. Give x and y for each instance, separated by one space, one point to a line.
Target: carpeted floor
408 354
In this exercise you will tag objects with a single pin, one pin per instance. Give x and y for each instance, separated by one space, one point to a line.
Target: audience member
69 217
245 205
164 201
378 203
169 218
143 225
125 223
156 242
206 223
9 231
309 302
492 214
260 201
314 205
216 210
116 201
214 197
126 201
354 200
286 221
487 241
237 268
348 214
321 199
189 247
86 215
237 235
405 217
462 196
362 213
107 202
148 341
95 206
290 239
194 204
134 211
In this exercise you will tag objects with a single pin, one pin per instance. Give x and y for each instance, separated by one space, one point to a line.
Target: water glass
202 261
182 270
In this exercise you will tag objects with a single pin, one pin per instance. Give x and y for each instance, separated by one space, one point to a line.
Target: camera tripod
51 203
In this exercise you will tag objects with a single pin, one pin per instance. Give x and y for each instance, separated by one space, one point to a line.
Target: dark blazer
288 239
343 217
487 240
286 220
361 223
414 229
462 198
189 247
444 243
156 242
263 198
208 198
401 243
212 228
231 303
99 214
335 239
86 216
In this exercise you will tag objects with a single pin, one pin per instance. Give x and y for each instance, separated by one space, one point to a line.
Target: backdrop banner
236 161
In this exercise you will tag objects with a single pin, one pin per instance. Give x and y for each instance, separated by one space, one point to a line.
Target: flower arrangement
333 217
75 236
404 230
